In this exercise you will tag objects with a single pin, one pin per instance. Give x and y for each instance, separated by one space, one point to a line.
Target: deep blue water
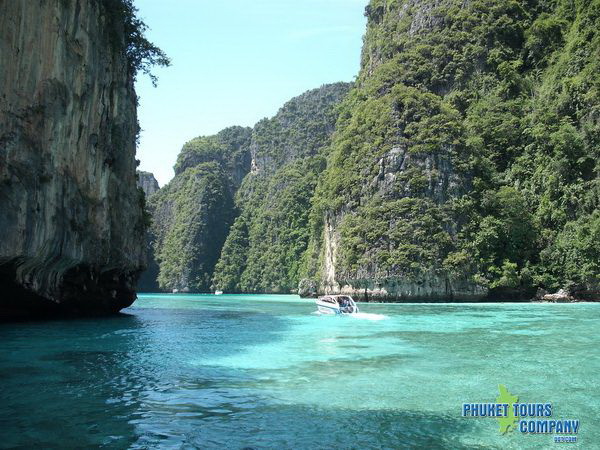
198 371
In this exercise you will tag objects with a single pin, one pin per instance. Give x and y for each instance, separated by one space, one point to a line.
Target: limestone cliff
464 163
71 215
263 252
235 216
147 183
396 167
192 214
148 278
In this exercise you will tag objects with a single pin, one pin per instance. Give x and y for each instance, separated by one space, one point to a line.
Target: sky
235 62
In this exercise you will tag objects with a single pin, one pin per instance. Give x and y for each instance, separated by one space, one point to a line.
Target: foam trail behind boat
368 316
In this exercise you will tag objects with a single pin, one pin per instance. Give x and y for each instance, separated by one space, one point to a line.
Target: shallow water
187 371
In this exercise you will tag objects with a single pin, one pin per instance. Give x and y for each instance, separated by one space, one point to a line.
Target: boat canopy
335 298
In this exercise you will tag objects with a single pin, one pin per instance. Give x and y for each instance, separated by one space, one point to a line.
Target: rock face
307 288
71 215
147 183
148 278
192 214
370 286
461 165
464 162
264 250
561 296
235 216
397 165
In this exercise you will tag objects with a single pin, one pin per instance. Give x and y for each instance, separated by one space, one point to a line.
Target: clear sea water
200 371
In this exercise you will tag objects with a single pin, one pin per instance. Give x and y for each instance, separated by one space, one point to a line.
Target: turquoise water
187 371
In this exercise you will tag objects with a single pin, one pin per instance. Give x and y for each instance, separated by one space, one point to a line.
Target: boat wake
368 316
359 315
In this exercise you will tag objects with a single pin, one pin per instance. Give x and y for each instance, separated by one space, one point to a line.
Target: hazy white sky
235 62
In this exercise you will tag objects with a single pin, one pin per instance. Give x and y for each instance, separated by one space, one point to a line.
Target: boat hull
331 306
328 309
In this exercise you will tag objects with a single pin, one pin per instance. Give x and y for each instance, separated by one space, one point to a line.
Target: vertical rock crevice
71 217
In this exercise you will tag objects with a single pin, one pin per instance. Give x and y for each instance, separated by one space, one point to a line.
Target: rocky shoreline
310 289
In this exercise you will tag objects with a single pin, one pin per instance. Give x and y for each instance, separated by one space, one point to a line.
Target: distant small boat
336 304
218 292
175 291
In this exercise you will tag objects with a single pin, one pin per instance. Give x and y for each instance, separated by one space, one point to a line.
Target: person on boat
345 305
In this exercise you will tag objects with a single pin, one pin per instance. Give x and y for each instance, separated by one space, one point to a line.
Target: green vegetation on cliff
264 250
200 207
470 145
271 170
128 34
193 213
465 158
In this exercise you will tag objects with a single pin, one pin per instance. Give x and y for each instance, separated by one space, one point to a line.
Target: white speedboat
218 292
336 304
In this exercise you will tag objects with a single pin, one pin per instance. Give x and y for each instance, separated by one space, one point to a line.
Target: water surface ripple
190 371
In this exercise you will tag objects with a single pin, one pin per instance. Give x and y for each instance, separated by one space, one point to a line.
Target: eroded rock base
80 291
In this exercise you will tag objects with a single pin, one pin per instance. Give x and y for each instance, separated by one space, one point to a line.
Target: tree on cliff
129 32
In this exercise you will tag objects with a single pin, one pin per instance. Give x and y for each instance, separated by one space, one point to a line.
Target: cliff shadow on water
111 382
